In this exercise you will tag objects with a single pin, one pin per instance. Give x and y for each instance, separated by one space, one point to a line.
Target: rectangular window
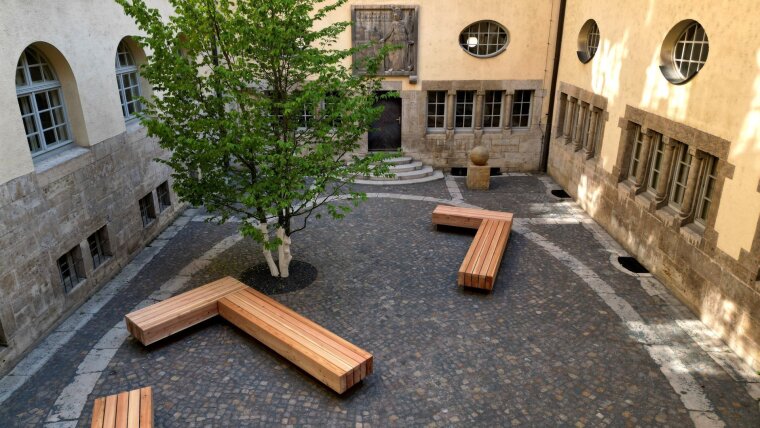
465 103
492 109
71 269
164 198
521 109
147 209
306 117
655 166
638 144
681 175
706 192
332 109
436 109
98 243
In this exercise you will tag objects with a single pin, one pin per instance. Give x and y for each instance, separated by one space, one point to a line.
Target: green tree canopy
260 111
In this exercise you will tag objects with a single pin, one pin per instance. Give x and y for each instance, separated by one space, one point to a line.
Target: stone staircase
406 170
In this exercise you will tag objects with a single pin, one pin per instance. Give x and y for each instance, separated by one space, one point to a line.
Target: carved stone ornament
387 25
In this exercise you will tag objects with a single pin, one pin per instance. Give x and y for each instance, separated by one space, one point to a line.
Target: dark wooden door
385 134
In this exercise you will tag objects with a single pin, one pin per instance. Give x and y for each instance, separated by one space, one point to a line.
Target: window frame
73 263
673 49
147 209
496 106
464 116
163 191
98 246
657 158
682 151
467 33
123 71
636 149
588 41
31 90
520 115
437 105
708 182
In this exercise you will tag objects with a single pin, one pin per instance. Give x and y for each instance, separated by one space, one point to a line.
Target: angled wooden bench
482 261
129 409
329 358
177 313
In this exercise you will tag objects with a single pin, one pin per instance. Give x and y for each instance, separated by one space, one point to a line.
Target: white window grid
306 117
521 109
707 190
492 39
492 109
70 273
592 42
464 109
128 82
97 252
436 109
40 100
638 144
164 198
147 210
690 53
655 169
681 175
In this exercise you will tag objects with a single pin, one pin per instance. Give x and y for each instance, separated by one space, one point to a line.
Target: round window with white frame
588 41
128 81
484 39
684 51
40 99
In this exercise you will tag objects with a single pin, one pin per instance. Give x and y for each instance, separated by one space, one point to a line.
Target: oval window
684 51
484 39
588 41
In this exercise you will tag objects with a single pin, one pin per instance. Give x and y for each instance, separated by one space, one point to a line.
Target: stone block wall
724 292
47 213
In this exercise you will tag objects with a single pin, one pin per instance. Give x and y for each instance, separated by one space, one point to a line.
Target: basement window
147 209
164 197
71 268
99 247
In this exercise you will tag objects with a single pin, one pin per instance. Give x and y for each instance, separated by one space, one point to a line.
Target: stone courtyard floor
566 338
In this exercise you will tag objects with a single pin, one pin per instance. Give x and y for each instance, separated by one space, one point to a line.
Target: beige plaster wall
440 21
723 99
85 34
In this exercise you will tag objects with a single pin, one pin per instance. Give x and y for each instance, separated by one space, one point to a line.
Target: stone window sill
693 233
59 157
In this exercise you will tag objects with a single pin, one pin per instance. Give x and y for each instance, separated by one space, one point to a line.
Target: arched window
128 81
40 99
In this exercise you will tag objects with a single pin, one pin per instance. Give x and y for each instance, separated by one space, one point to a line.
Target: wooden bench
482 261
319 352
177 313
329 358
129 409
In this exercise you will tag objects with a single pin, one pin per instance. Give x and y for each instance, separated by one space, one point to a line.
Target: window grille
464 108
484 39
436 109
521 109
164 197
97 245
690 53
40 99
147 209
128 82
592 42
70 269
492 109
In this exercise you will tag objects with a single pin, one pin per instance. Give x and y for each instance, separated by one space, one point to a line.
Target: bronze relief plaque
387 25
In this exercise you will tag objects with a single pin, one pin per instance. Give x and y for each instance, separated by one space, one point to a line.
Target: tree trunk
284 252
268 254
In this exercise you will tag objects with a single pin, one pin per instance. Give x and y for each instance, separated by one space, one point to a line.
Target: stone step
408 175
436 175
406 167
399 160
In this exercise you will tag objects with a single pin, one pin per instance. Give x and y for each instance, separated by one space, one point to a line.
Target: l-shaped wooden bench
332 360
481 264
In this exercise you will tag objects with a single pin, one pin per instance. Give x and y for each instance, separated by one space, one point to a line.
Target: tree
260 112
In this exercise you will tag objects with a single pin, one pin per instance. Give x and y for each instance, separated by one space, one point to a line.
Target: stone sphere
479 156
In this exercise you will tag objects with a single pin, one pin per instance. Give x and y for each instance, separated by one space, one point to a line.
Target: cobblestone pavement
553 344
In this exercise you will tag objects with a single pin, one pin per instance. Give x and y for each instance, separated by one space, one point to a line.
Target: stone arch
68 81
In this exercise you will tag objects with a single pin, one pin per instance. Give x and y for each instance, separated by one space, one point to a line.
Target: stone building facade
656 134
666 161
80 193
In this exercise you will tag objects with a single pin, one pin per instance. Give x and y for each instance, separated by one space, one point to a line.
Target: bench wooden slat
353 352
291 332
483 269
98 412
482 261
128 409
331 359
466 217
177 313
146 407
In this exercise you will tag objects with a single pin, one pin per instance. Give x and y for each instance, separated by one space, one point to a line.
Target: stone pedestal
478 177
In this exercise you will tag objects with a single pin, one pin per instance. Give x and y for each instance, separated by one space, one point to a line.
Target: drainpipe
553 93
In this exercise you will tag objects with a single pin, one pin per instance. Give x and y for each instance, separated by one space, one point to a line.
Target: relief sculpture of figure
399 59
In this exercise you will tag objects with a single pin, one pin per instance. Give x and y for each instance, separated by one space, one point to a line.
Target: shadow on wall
606 67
